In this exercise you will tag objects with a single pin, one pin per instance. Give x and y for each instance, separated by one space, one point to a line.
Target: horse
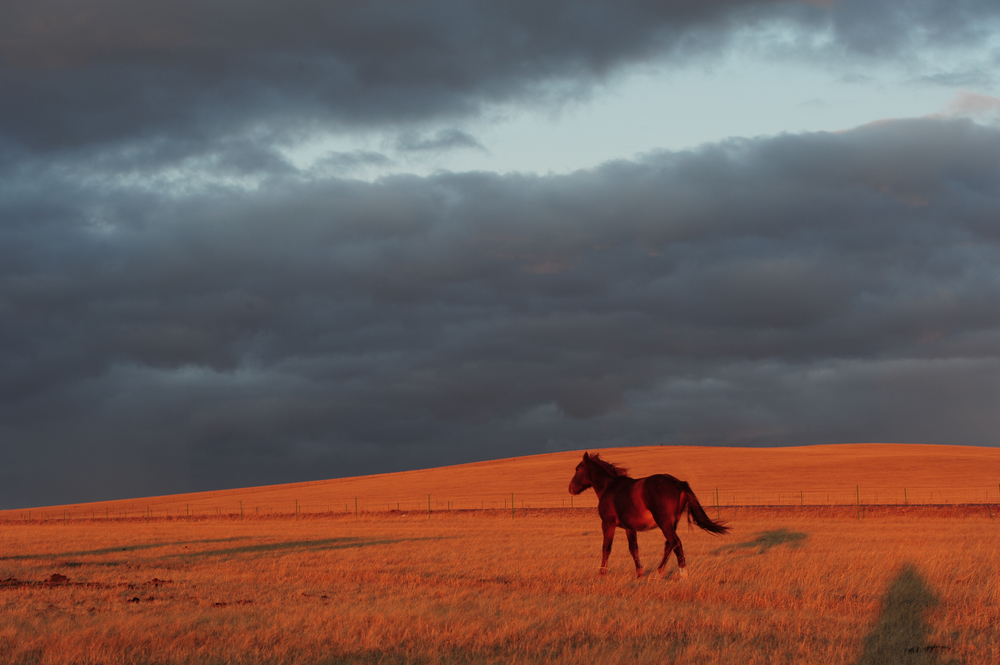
640 504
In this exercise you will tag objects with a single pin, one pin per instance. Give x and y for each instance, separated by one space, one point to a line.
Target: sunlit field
785 587
869 474
793 583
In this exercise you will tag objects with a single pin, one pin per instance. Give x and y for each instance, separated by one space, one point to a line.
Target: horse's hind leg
681 563
666 511
672 544
609 537
633 549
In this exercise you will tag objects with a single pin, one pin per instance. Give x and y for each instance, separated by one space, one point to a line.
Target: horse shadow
900 636
765 541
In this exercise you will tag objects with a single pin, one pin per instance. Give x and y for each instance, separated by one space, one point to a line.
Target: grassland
482 587
790 584
813 475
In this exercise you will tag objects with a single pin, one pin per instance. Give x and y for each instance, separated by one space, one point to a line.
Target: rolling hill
810 475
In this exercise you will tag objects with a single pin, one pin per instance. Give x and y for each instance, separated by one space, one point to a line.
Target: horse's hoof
602 572
683 573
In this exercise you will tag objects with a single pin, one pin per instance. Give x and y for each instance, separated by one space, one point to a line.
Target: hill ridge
736 476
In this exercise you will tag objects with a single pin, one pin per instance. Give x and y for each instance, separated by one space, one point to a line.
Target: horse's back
662 483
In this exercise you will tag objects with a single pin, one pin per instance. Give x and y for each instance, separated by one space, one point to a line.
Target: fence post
512 505
857 489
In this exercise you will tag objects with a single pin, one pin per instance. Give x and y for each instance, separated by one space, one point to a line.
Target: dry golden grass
787 586
791 584
812 475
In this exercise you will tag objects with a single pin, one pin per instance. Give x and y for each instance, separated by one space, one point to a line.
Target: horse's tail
698 515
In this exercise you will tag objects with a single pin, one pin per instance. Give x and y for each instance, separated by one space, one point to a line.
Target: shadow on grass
259 548
297 545
763 542
901 634
116 550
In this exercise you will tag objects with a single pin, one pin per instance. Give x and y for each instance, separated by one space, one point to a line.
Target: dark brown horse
639 504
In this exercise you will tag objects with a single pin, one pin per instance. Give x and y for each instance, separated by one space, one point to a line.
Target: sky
253 243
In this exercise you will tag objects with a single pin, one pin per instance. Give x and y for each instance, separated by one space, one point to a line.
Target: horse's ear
586 456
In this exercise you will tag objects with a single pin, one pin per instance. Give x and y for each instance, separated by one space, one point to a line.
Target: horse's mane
610 467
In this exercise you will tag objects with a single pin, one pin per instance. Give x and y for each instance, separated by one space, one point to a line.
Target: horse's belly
640 522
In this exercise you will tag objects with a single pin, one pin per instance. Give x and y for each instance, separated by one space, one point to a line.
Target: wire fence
262 506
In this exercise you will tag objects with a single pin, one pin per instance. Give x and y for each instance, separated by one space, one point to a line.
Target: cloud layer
183 77
184 307
798 289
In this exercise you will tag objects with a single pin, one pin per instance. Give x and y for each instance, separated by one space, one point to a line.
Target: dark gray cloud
185 76
182 307
810 288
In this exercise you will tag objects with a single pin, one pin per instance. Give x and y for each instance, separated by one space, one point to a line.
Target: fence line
719 498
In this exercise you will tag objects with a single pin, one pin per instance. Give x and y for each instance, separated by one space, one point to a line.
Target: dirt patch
60 580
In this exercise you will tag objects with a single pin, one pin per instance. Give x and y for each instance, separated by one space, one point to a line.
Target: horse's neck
600 479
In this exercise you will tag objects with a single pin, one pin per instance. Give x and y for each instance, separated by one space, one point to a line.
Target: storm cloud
180 78
185 306
810 288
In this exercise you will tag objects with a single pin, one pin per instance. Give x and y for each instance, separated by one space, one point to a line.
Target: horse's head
581 479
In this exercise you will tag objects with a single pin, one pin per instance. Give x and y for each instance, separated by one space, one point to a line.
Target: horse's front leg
633 549
609 537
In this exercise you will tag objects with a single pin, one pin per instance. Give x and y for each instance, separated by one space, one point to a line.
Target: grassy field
811 475
788 585
290 574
